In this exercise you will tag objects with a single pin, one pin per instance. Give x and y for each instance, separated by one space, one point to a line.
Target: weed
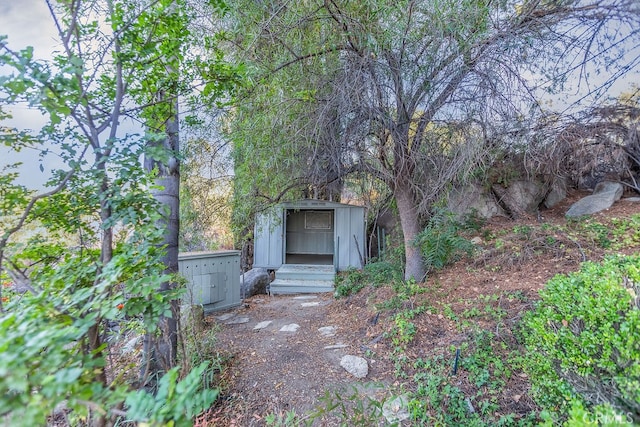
471 312
448 312
349 282
523 231
377 273
288 419
353 409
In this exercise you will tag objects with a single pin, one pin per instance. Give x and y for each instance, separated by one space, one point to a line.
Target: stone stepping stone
310 304
396 410
355 365
237 321
262 325
225 317
327 331
293 327
335 346
303 297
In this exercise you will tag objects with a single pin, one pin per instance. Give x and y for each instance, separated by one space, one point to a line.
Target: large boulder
254 282
604 196
521 197
557 193
473 198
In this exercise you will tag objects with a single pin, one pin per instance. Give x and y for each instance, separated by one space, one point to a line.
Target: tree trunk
160 351
409 221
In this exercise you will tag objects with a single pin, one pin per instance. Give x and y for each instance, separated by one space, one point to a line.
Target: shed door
268 243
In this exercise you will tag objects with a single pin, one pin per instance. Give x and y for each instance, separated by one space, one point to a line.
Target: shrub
376 273
583 341
440 242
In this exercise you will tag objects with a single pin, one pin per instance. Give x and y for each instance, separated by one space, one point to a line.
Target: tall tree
121 67
369 86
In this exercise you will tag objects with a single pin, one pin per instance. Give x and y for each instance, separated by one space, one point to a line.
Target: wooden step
297 286
306 272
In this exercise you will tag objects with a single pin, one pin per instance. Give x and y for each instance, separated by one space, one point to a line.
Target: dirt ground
271 372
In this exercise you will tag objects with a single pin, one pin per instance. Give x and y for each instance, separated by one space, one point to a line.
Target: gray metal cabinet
213 278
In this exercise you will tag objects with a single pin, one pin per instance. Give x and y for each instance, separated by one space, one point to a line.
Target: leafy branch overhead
414 94
95 250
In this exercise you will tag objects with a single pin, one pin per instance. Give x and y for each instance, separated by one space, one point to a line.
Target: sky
28 23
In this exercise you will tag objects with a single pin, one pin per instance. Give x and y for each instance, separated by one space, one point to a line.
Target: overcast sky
27 23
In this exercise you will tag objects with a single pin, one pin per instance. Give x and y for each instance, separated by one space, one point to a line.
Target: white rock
225 317
237 321
335 346
132 344
327 331
310 304
396 410
477 241
293 327
356 366
263 325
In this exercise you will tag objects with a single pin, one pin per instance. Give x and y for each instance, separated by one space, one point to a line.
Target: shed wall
349 228
268 241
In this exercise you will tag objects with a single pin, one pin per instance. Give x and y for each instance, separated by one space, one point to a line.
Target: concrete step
296 286
306 272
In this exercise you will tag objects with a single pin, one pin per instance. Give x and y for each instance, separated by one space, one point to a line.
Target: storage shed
307 241
213 278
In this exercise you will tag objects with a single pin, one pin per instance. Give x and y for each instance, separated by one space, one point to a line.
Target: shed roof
316 204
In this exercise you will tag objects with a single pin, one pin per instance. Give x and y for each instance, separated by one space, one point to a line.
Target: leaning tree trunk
160 350
410 223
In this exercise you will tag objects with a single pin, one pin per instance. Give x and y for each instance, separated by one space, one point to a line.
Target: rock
604 195
225 316
355 365
335 346
632 199
396 410
521 197
254 282
327 331
473 198
293 327
262 325
477 241
131 345
237 321
310 304
609 187
557 193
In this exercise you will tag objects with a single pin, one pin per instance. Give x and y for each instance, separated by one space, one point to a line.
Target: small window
317 220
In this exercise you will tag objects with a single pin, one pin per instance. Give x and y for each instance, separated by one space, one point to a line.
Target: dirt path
275 371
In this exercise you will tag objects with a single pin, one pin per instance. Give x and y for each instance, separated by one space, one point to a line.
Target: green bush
440 242
376 274
583 342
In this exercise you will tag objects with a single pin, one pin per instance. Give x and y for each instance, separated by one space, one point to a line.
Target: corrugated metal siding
213 278
348 221
268 240
356 216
